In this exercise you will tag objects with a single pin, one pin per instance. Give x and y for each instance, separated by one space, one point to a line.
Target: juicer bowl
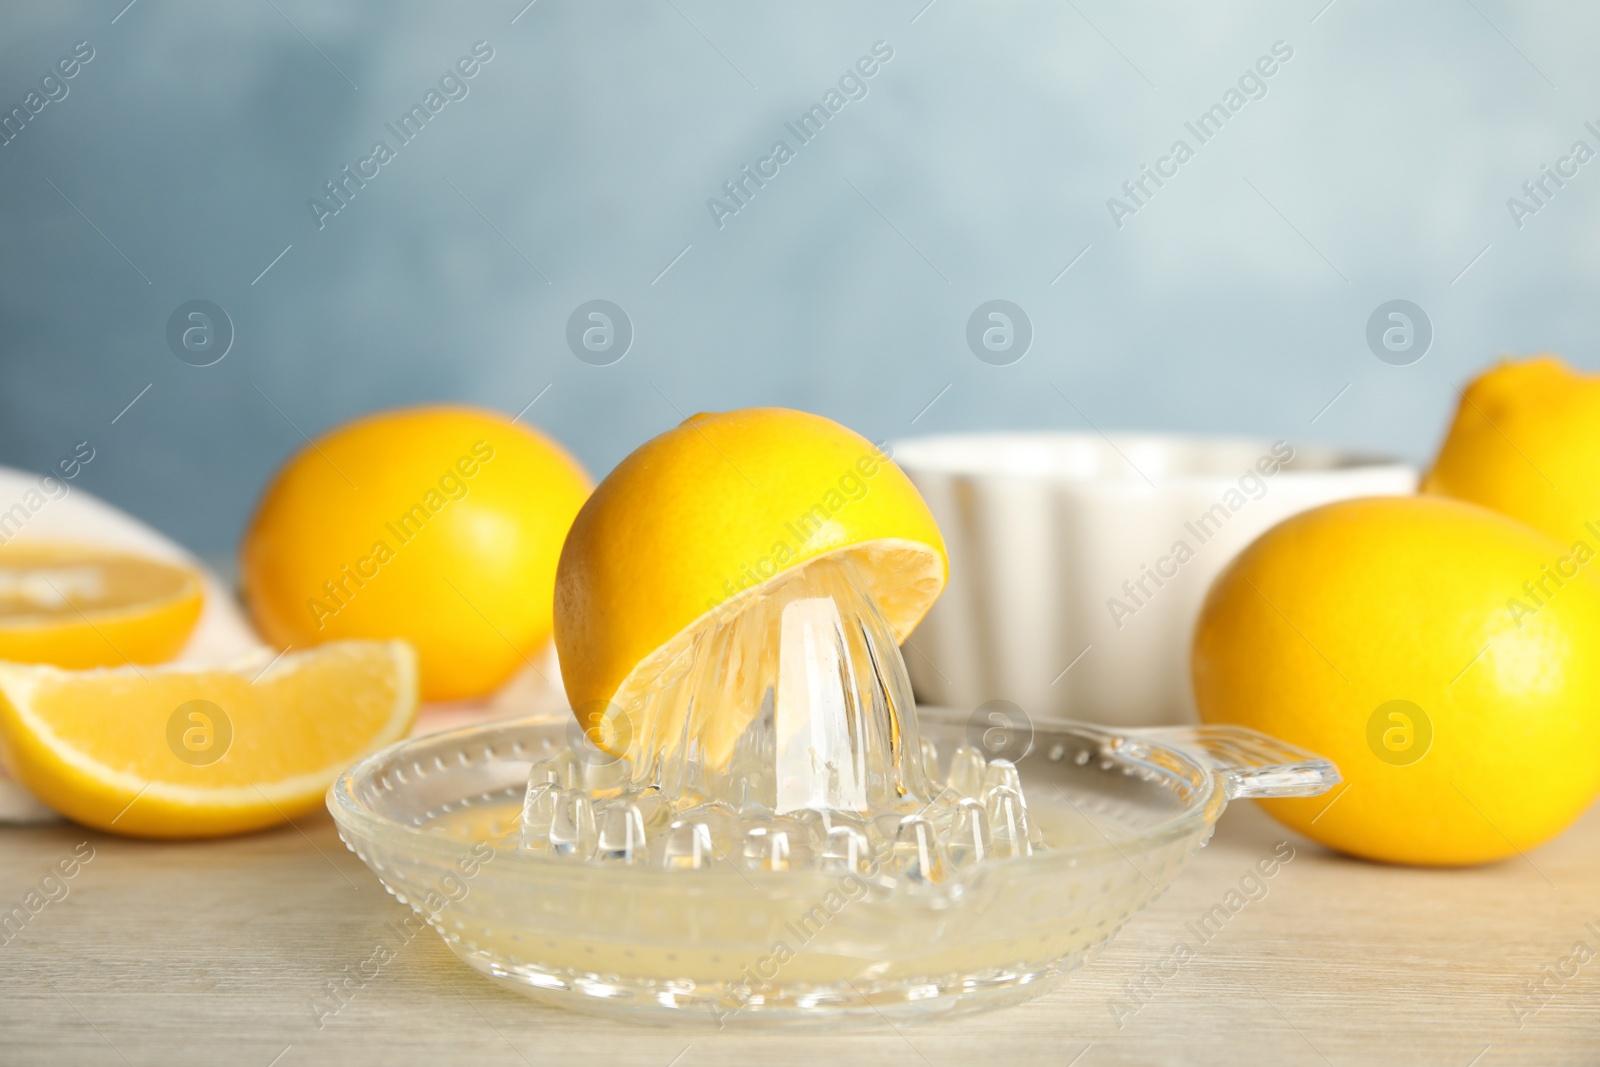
1121 811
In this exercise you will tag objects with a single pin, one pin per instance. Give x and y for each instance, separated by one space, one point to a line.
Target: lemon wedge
201 752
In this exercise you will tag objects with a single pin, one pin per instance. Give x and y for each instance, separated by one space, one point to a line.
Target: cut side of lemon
904 578
78 606
176 752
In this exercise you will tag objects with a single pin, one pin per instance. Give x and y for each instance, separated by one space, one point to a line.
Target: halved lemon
79 606
175 752
709 513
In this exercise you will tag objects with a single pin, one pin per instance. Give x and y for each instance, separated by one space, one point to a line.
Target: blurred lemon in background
712 510
195 751
80 606
440 526
1526 442
1431 649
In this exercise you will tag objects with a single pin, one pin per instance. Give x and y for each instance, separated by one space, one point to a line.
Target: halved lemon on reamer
200 752
710 513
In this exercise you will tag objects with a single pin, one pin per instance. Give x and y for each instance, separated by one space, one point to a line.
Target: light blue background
977 168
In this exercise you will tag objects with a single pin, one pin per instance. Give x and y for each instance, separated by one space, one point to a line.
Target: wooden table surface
168 954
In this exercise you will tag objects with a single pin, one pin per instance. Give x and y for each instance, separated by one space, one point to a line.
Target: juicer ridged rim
1202 812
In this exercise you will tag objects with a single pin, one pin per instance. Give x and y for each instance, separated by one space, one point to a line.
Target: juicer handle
1251 763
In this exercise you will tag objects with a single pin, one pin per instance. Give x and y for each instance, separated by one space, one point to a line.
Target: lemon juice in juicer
746 823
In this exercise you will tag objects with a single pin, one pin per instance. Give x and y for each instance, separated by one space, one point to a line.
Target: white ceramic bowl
1078 562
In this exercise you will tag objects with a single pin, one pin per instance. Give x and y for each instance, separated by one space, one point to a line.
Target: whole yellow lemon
1440 653
1526 442
440 526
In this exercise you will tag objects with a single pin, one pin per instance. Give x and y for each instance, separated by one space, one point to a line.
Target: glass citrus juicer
773 834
